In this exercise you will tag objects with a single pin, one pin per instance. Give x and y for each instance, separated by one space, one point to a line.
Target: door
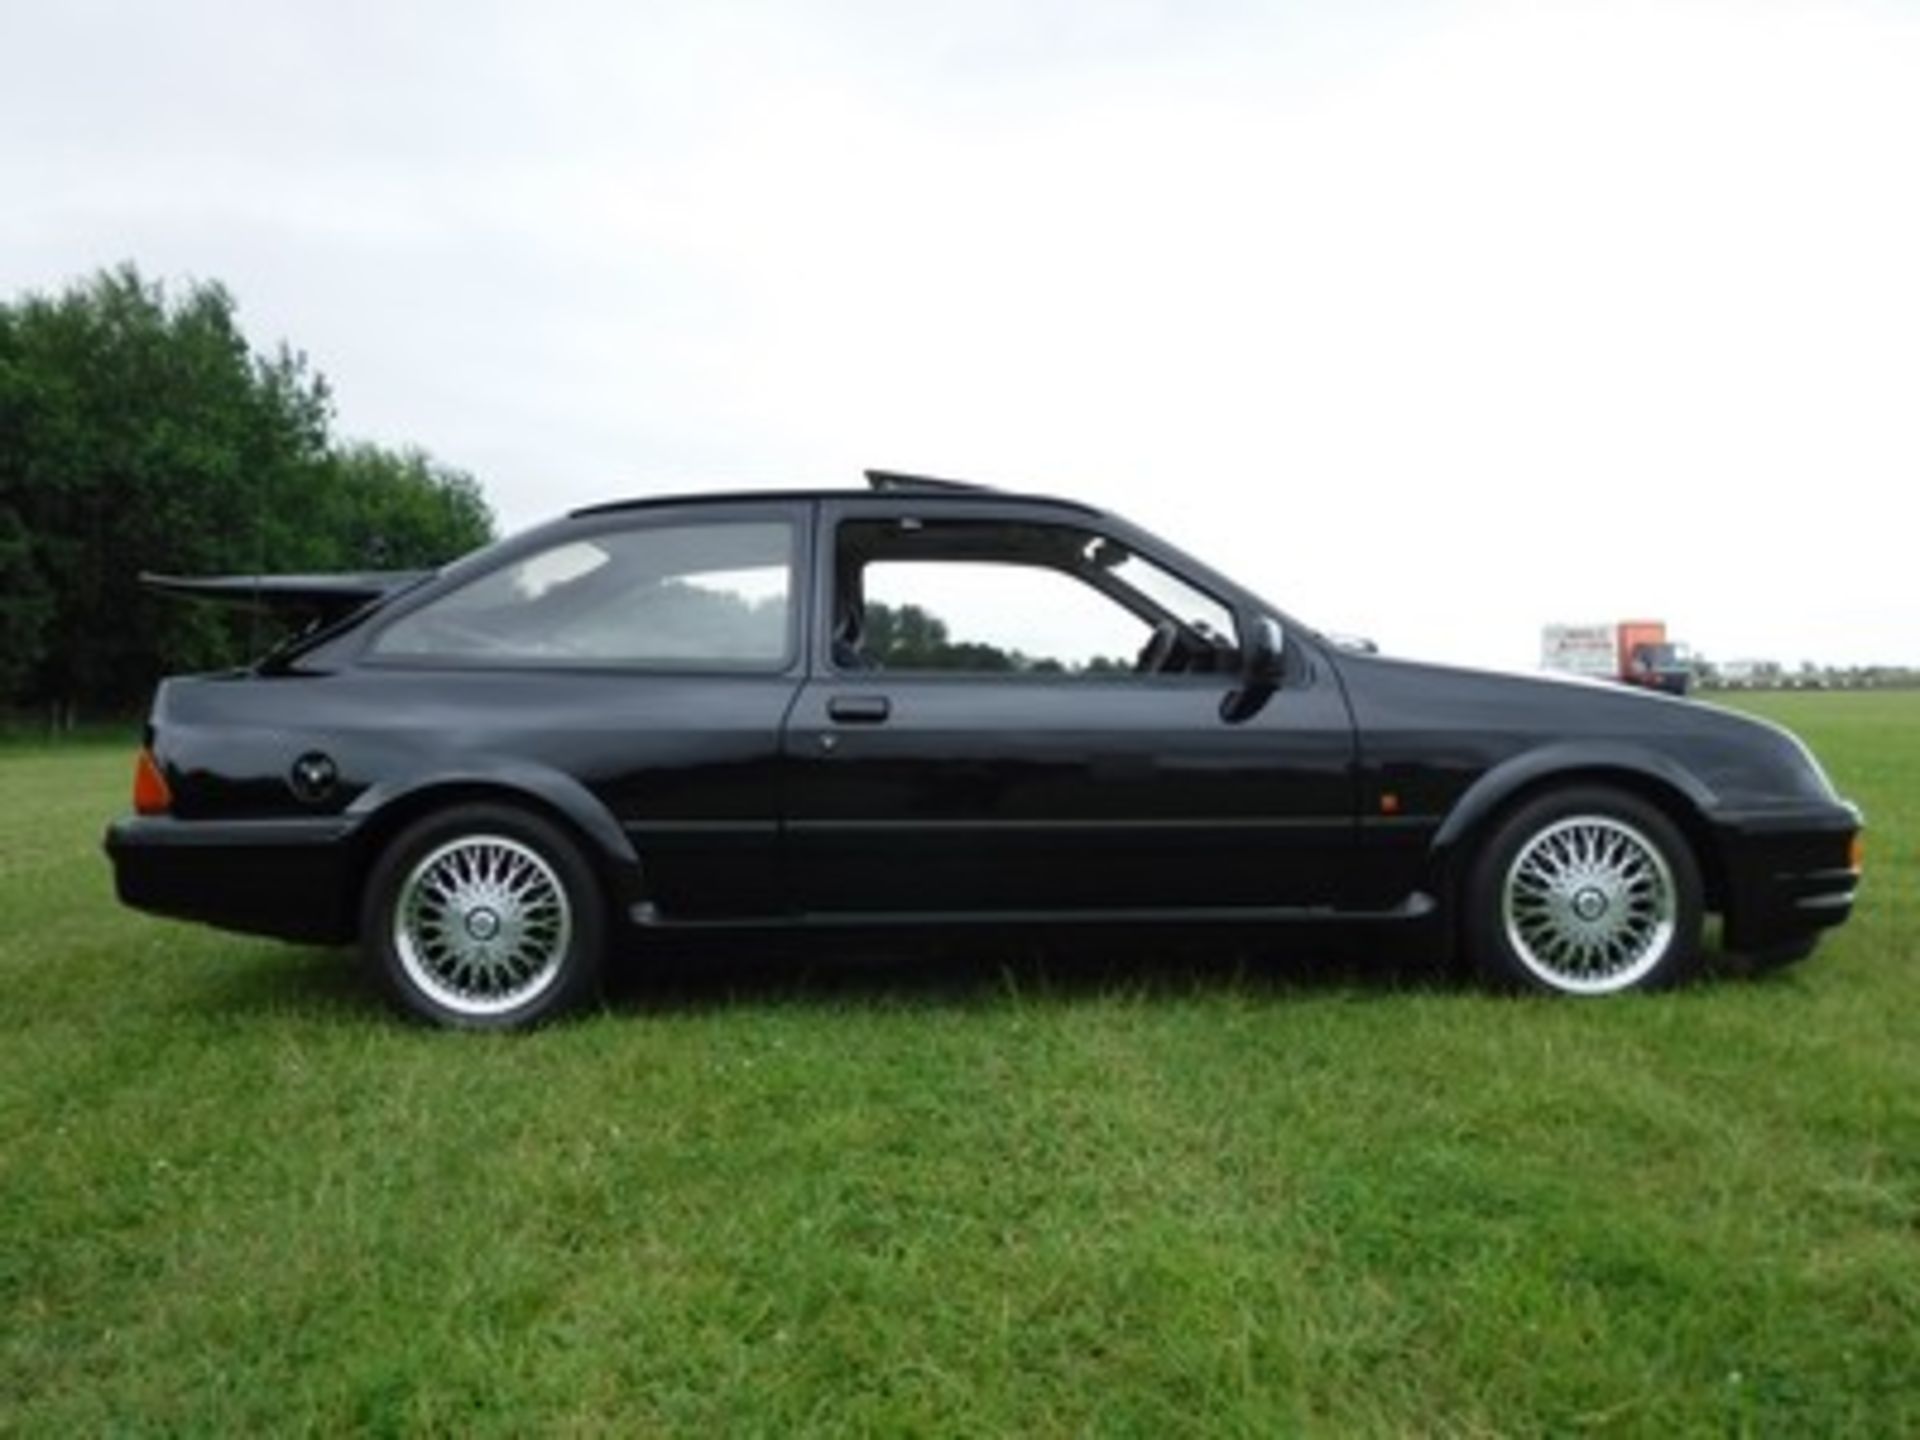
1011 714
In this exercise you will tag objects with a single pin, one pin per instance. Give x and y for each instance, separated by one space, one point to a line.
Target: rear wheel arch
617 871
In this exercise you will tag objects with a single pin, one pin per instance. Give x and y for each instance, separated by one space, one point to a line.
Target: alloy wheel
481 924
1589 904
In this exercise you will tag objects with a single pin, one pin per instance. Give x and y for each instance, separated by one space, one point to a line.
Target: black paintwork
1340 786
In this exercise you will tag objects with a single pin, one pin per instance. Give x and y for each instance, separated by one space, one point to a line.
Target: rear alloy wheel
484 917
1585 892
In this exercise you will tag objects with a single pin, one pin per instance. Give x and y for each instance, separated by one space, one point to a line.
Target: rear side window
710 596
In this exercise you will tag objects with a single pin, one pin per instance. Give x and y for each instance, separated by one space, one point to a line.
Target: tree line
139 430
909 637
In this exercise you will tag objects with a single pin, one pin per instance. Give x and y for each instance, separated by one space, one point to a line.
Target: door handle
859 709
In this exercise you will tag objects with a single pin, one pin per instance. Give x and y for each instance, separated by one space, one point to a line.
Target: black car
930 705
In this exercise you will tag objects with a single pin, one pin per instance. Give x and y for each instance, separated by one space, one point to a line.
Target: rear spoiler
325 598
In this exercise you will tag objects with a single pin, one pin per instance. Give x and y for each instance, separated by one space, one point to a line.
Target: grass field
1153 1195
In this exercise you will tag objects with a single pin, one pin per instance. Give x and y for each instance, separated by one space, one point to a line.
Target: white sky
1430 322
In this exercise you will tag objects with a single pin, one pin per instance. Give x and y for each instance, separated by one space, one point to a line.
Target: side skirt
1416 910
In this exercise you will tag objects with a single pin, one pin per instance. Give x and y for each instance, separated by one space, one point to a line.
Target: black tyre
1586 891
484 917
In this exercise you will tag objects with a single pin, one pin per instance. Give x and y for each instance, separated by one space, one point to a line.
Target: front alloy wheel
1585 892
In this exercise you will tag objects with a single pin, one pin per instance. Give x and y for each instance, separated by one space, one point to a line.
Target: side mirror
1266 651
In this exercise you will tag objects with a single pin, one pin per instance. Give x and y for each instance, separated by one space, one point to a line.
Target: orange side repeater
150 793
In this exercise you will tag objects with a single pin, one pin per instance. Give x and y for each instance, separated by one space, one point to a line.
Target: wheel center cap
1590 904
482 923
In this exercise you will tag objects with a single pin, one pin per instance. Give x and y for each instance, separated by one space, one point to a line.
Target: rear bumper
286 878
1789 875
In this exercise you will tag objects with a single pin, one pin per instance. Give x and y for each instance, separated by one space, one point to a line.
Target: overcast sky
1433 322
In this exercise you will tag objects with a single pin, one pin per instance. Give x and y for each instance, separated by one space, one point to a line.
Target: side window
708 596
985 616
1006 597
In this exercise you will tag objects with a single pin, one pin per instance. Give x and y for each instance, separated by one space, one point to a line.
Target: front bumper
292 879
1788 874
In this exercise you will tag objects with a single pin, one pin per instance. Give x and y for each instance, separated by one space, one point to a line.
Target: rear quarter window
699 596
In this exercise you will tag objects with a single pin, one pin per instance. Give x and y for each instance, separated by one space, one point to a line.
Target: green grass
1152 1196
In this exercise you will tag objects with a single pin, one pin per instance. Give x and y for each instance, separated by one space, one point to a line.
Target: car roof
882 484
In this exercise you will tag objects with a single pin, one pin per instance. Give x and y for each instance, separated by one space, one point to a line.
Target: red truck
1634 652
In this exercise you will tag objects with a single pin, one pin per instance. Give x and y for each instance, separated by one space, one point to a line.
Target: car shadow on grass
956 973
305 981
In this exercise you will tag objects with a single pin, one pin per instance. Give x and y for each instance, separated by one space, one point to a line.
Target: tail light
150 793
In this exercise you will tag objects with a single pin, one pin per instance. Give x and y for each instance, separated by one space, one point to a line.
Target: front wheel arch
1463 836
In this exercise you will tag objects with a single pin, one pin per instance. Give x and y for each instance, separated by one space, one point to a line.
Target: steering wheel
1158 649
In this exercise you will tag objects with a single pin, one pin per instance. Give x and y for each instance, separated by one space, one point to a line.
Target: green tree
390 510
906 637
140 431
26 602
